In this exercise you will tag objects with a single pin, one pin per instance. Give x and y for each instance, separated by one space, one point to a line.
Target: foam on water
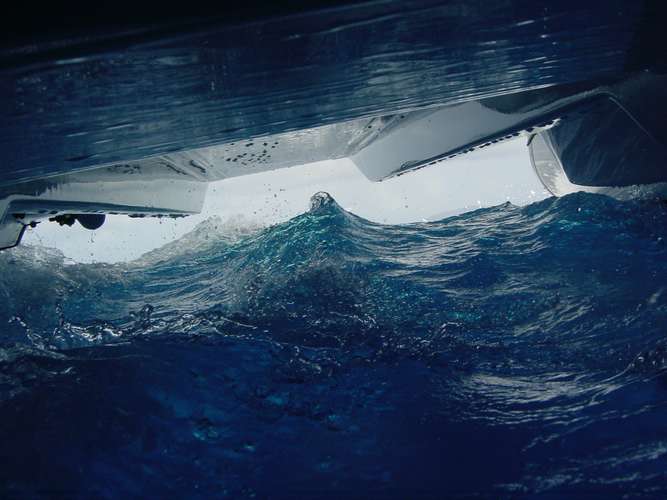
508 351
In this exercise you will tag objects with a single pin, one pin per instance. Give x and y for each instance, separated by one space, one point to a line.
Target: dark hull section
613 143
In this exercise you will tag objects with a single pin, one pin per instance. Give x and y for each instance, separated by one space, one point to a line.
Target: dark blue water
506 353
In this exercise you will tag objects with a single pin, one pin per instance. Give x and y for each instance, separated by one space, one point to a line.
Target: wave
500 350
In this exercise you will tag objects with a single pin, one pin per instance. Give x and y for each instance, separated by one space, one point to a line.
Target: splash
504 352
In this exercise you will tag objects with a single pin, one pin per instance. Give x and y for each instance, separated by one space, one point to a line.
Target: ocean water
510 352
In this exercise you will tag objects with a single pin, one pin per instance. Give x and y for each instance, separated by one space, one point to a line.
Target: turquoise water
507 352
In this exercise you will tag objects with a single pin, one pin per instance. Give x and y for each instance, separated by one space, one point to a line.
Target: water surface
508 352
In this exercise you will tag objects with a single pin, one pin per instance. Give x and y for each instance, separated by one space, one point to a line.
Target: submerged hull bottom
607 139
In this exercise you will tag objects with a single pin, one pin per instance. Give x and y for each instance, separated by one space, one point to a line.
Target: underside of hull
136 116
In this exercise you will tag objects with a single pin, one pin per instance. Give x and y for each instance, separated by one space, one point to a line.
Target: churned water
508 352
